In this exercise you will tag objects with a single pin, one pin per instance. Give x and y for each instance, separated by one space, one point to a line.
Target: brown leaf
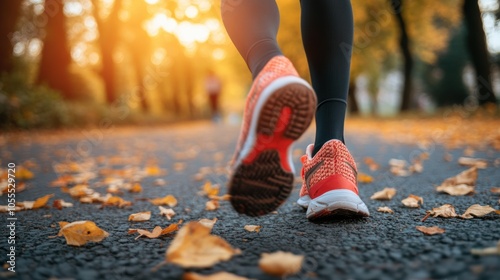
60 204
212 205
157 231
430 230
445 211
385 209
81 232
473 162
364 178
385 194
171 228
136 188
195 247
416 167
477 210
252 228
116 201
140 217
467 177
487 251
280 263
168 200
208 223
225 197
80 190
372 165
38 203
210 190
215 276
495 190
167 212
413 201
456 190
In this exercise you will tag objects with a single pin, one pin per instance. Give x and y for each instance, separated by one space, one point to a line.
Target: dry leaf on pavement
157 231
38 203
60 204
467 177
81 232
477 210
6 208
385 209
208 223
116 201
136 188
225 197
194 247
495 190
140 217
212 205
364 178
445 211
215 276
457 190
280 263
209 189
430 230
413 201
487 251
252 228
372 165
167 212
385 194
168 200
473 162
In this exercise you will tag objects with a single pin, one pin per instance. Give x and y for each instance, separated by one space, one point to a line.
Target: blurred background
72 63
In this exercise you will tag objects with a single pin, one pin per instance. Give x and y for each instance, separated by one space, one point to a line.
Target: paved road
383 246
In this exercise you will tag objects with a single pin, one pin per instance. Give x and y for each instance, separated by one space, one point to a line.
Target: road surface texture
383 246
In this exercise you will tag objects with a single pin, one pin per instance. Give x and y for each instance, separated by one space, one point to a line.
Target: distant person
281 105
213 88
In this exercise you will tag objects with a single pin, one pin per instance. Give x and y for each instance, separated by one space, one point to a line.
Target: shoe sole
263 175
337 204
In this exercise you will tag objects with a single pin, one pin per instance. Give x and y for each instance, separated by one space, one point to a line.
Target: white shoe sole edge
337 200
266 93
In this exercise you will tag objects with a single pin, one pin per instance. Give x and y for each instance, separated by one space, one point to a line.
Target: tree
56 59
9 14
478 51
108 40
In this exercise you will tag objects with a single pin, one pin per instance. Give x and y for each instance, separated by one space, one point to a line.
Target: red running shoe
329 185
279 108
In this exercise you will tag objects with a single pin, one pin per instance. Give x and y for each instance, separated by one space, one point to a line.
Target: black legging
327 33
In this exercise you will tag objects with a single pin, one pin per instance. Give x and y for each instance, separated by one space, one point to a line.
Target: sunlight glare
191 12
152 2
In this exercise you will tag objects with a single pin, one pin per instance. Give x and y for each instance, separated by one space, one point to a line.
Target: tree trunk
352 100
404 44
108 39
56 58
478 50
9 13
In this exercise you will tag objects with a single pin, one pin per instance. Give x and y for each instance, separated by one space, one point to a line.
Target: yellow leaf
445 211
208 223
456 190
473 162
60 204
220 198
477 210
412 201
385 194
116 201
38 203
168 200
153 170
195 247
171 228
23 173
81 232
467 177
280 263
215 276
252 228
372 165
80 190
136 188
430 230
167 212
212 205
364 178
210 190
140 217
385 209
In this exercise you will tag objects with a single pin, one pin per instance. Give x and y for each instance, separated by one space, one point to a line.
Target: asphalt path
383 246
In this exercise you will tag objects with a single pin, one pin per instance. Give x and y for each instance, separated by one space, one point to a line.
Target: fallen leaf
400 171
140 217
81 232
364 178
194 247
60 204
215 276
136 188
467 177
372 165
38 203
212 205
487 251
400 163
116 201
6 208
430 230
80 190
171 228
167 212
153 170
477 210
208 223
179 166
252 228
413 201
495 190
149 234
168 200
456 190
385 194
416 167
445 211
209 189
469 151
280 263
22 173
159 182
220 198
385 209
473 162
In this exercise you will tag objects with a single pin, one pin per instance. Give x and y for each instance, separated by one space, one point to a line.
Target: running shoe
279 108
329 187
